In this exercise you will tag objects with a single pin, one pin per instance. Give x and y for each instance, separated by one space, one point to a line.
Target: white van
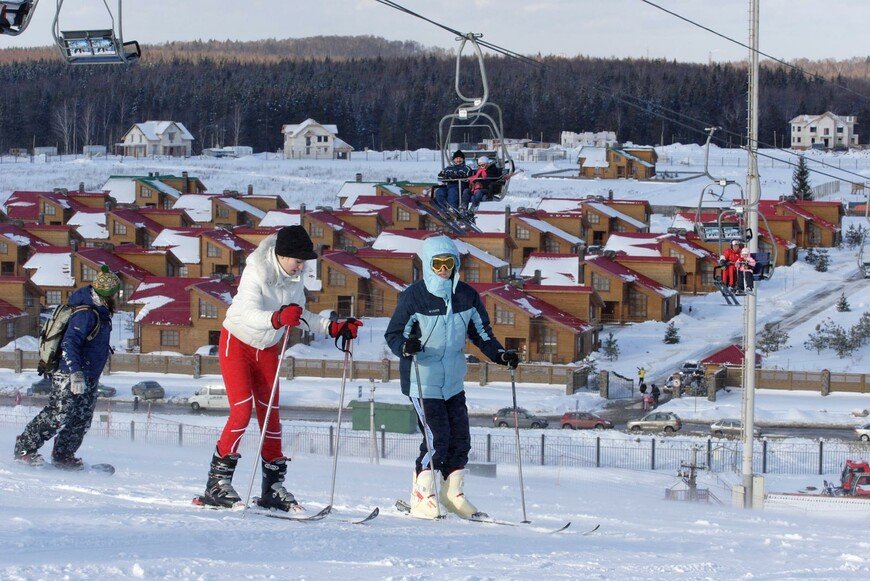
210 398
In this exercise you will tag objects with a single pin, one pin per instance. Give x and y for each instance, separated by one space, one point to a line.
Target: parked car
584 421
43 387
730 427
149 390
505 417
210 398
863 433
690 368
656 422
208 350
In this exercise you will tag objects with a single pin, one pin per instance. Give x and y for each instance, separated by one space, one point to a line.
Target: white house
600 139
311 140
823 131
157 138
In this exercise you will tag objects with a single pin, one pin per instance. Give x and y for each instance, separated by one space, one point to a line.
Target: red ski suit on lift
250 346
729 273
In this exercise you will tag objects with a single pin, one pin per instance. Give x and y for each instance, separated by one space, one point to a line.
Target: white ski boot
424 503
452 496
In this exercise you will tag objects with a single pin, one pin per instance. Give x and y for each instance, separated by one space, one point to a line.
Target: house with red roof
414 213
161 191
497 244
255 235
537 329
404 265
179 314
23 295
603 217
330 230
371 214
56 235
533 234
157 261
15 323
730 356
168 217
819 224
50 269
628 295
706 233
31 207
16 246
234 210
665 270
354 287
87 262
221 251
127 226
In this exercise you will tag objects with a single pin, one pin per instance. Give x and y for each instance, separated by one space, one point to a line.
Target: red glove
287 316
347 328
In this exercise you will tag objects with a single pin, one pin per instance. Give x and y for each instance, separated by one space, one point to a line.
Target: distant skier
73 397
443 312
270 300
454 191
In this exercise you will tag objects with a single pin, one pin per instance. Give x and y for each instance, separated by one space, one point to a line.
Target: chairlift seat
15 16
761 270
97 47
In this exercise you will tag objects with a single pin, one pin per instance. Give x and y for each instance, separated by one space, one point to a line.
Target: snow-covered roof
536 307
197 206
162 187
294 130
154 130
166 300
122 188
630 276
364 269
341 144
556 269
625 153
184 244
556 205
412 240
490 221
613 213
230 240
548 228
648 245
90 224
137 219
593 156
241 206
20 236
351 190
282 218
52 267
334 221
100 256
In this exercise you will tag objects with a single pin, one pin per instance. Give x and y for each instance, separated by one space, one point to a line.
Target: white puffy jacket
263 289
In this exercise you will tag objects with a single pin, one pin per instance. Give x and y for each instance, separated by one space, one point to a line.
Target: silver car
505 418
730 427
863 433
656 422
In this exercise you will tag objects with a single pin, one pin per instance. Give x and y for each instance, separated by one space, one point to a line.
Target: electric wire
644 105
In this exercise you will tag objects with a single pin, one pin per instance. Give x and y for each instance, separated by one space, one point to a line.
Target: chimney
516 282
581 263
40 219
74 244
186 182
81 187
507 220
537 278
359 177
250 189
610 195
301 212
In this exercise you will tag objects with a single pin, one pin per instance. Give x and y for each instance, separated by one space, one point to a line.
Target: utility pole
753 188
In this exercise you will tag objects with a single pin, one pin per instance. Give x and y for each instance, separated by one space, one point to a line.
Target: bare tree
237 122
88 123
62 123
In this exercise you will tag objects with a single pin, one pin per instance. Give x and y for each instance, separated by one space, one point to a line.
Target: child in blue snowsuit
432 320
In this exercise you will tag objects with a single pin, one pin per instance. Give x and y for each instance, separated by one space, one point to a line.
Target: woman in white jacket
270 299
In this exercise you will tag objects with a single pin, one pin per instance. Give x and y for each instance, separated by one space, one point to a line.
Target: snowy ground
139 524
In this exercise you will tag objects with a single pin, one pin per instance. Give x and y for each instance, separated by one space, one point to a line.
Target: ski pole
268 413
347 347
427 435
519 452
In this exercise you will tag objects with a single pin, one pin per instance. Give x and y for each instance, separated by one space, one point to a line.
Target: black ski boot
219 489
25 456
274 493
67 462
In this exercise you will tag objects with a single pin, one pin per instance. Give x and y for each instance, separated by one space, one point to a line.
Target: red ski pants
729 275
248 375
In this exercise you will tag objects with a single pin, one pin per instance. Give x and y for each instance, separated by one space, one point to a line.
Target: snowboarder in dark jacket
432 321
73 397
455 181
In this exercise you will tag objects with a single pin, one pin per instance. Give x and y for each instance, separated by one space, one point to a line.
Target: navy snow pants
448 422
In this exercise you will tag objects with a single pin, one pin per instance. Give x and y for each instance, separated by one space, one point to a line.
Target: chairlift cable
643 105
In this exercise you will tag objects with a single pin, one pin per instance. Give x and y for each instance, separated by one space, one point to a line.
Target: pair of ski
322 514
405 508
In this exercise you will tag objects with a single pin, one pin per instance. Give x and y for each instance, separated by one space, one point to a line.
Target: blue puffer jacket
77 353
446 311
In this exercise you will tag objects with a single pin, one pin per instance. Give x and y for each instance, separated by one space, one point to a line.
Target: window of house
522 233
812 128
546 341
551 244
88 274
170 338
636 304
222 211
126 291
48 210
53 297
827 130
839 129
504 316
146 193
315 230
600 283
415 273
207 310
593 218
29 300
4 248
403 215
678 255
344 241
10 330
119 228
336 278
795 128
377 302
171 136
212 251
797 140
707 278
147 240
471 272
183 270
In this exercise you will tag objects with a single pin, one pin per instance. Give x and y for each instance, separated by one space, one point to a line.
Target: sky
618 28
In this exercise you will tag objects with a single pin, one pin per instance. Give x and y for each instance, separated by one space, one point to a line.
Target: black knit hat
293 241
458 153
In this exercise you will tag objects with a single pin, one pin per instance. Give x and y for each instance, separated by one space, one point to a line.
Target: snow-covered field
138 523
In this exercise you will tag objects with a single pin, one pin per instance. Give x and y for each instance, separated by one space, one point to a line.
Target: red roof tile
167 300
536 307
731 355
136 218
99 256
21 237
8 311
629 275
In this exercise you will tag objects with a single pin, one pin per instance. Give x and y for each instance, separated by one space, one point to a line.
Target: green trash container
395 417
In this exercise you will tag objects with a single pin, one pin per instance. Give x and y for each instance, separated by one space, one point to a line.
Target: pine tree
610 347
771 339
861 330
816 341
854 235
842 344
822 260
811 255
671 334
843 304
800 181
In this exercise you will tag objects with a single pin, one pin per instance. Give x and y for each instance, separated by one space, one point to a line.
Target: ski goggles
439 263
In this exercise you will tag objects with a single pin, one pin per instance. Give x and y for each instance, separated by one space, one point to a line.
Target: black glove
510 358
412 347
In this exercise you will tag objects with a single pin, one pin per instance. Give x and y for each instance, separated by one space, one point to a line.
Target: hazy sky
623 28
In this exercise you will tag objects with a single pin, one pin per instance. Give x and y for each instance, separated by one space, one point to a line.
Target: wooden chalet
50 269
371 214
184 244
255 235
127 226
29 207
354 287
158 262
222 252
329 230
818 224
24 299
86 264
532 234
60 235
231 211
17 245
170 218
498 244
91 227
730 356
628 295
163 191
602 219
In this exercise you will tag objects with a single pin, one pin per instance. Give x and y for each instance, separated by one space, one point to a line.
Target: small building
169 138
132 227
533 234
184 243
15 322
50 269
355 287
17 245
22 294
54 208
330 230
730 356
222 252
90 225
88 261
697 263
232 210
312 140
628 295
827 131
152 190
634 162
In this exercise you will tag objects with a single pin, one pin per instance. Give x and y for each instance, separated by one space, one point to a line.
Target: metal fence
543 448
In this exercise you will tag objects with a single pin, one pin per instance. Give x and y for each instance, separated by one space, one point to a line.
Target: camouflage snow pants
66 415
